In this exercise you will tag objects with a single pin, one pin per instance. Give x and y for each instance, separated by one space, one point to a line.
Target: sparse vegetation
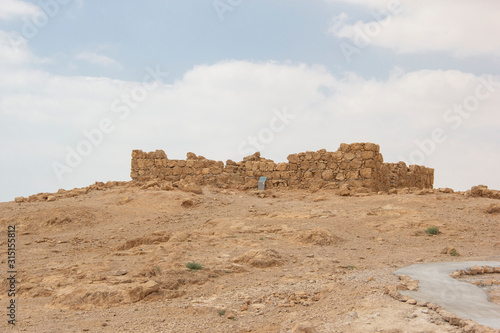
221 312
194 266
432 230
351 267
454 253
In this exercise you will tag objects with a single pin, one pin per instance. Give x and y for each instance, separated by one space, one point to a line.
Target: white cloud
11 9
97 59
461 28
14 50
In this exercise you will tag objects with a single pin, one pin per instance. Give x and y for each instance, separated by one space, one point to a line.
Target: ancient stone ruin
356 165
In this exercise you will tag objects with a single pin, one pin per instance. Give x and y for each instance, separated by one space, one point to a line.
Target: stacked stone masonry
358 165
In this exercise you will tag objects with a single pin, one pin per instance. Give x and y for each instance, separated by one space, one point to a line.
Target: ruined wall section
359 165
398 175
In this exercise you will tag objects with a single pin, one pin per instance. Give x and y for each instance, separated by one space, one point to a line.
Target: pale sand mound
261 258
316 236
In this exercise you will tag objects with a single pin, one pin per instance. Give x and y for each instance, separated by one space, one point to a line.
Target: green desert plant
432 230
454 253
194 266
221 312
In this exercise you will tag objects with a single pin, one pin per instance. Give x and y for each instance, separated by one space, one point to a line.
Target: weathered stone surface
327 175
358 162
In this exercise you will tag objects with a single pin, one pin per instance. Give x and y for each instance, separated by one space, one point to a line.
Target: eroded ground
114 260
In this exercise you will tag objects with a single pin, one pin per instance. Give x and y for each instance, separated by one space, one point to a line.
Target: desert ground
112 258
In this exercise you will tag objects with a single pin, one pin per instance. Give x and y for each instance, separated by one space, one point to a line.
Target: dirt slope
114 259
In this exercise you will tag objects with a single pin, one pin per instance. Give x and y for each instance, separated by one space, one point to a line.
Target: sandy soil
281 261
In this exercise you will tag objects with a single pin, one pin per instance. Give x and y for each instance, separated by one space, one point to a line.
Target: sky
84 82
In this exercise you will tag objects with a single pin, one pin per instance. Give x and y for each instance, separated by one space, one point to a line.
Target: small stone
187 203
432 306
448 250
477 269
411 301
487 269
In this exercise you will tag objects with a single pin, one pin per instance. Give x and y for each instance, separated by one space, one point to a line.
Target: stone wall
358 165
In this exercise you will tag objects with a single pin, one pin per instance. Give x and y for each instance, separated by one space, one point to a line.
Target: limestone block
340 176
343 166
369 183
372 147
308 174
191 156
190 163
205 171
357 183
355 164
187 171
316 156
216 171
353 174
219 164
293 158
293 167
327 175
282 166
271 166
326 156
337 156
366 155
344 147
160 154
177 171
366 173
321 166
356 146
349 156
309 155
304 166
370 164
